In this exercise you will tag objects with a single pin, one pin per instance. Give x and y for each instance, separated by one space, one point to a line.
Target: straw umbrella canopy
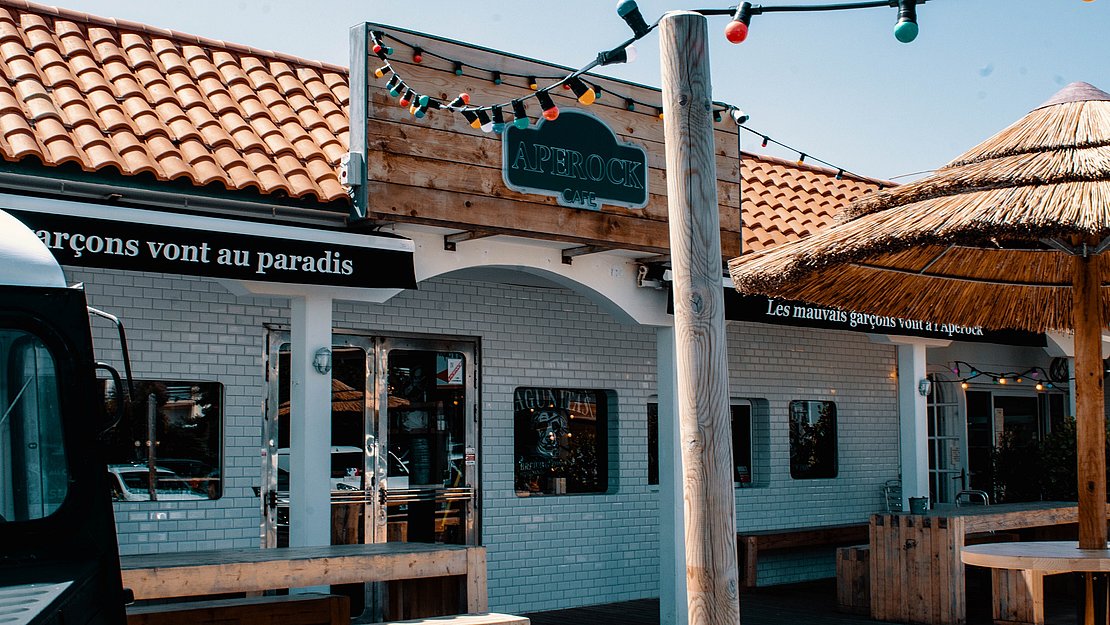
1012 234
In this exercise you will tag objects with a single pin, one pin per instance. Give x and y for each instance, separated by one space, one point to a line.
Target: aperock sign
110 244
577 159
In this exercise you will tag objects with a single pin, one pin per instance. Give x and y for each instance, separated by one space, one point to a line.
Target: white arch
608 280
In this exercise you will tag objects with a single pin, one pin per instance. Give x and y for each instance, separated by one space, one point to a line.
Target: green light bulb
905 31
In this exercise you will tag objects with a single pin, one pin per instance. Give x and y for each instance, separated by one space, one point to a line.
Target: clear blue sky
836 85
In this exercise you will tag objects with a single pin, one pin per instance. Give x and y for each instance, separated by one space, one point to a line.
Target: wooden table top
1060 555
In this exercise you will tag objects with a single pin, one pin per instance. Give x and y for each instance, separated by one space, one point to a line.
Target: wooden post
700 345
1090 419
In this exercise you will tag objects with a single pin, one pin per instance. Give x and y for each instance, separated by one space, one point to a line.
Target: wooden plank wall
440 171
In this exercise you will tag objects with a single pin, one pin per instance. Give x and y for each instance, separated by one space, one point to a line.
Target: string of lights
491 118
966 373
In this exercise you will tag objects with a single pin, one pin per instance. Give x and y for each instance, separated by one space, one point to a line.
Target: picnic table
917 575
252 570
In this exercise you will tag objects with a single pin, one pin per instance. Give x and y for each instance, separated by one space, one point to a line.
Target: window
168 447
812 440
33 471
742 469
561 441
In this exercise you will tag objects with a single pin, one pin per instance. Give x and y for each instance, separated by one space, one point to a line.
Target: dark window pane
653 443
812 440
176 439
742 444
561 445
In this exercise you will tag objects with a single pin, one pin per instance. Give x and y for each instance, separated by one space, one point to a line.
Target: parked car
131 482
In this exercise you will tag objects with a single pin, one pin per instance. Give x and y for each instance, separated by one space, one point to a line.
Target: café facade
350 323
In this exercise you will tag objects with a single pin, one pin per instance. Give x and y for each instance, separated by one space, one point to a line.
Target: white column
309 424
914 420
672 526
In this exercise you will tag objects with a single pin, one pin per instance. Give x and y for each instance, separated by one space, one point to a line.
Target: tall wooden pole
710 509
1090 418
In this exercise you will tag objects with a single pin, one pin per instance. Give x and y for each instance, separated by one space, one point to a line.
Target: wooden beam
1090 420
700 345
571 253
451 241
419 205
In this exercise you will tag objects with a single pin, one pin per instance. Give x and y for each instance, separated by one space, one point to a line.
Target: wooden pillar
709 504
1090 418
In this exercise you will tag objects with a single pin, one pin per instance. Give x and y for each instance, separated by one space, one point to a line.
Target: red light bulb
736 31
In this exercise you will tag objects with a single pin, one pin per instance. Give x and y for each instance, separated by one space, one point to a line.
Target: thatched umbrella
1011 234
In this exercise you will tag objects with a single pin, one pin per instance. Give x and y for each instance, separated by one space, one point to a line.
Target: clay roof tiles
108 93
111 93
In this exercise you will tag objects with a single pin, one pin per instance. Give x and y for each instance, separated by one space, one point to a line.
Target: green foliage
1041 470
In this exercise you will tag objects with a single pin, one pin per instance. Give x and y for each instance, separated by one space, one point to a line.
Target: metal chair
892 495
972 497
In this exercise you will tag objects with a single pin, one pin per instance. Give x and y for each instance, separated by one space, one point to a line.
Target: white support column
309 424
672 525
914 420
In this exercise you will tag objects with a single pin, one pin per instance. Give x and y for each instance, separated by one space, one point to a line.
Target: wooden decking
811 603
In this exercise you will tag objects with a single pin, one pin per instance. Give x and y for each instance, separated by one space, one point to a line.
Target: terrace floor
810 603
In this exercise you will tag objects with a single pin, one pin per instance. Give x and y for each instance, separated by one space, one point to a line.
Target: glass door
947 448
403 444
429 438
352 449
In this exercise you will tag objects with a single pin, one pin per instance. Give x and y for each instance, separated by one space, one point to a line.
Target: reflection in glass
560 441
813 452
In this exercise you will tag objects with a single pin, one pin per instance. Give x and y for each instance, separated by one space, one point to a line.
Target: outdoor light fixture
458 68
631 15
924 385
532 84
321 361
484 122
737 29
417 55
550 111
623 54
584 94
459 102
520 114
395 85
382 71
906 28
738 116
498 120
409 96
472 118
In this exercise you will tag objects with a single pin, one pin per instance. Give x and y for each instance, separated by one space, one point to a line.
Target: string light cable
966 373
491 118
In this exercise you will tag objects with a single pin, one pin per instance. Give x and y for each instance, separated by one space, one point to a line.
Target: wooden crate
853 579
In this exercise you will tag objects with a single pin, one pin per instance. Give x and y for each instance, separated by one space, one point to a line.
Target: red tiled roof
110 94
105 93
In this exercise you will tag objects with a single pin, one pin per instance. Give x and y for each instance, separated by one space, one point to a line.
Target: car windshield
33 473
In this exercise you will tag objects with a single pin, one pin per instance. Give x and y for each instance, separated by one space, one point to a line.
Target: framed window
561 441
812 440
168 448
34 477
742 467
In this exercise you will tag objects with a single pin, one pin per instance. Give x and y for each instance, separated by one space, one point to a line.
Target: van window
33 471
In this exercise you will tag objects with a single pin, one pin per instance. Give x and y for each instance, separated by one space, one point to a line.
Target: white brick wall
544 552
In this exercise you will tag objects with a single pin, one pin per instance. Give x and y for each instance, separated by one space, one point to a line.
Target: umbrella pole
1089 403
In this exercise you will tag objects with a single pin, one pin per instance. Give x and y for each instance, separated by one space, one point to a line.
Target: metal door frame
377 347
469 348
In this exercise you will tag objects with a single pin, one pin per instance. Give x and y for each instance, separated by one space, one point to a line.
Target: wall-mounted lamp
321 362
924 385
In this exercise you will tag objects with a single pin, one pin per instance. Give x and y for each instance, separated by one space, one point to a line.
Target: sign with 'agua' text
576 158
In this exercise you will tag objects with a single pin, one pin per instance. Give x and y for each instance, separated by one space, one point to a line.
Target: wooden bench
750 544
303 609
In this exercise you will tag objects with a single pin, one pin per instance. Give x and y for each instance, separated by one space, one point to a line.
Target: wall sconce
924 385
321 362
